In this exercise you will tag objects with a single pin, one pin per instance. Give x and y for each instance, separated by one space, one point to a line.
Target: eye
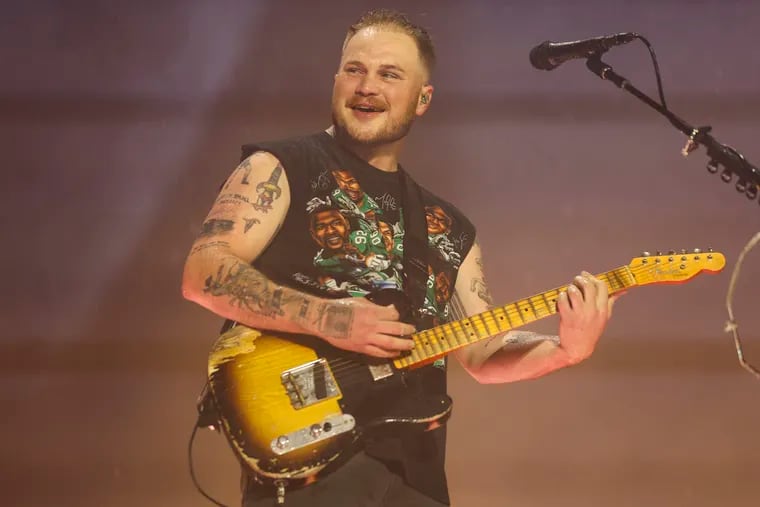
389 75
353 70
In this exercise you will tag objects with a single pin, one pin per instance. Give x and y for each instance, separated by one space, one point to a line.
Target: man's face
329 229
438 222
376 95
387 233
349 185
442 288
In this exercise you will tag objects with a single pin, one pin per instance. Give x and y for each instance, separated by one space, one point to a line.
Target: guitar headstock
675 267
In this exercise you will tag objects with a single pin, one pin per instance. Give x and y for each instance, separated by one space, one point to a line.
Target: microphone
549 55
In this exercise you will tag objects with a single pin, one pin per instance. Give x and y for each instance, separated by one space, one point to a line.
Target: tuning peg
726 175
712 167
671 252
751 192
645 254
658 253
697 250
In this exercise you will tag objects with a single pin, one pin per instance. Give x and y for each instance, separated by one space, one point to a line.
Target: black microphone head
539 57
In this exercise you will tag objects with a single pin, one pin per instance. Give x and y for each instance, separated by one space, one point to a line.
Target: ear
426 97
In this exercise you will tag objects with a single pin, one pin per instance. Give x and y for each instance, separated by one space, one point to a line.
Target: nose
367 86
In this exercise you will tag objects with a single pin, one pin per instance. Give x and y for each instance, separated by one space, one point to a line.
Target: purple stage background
119 121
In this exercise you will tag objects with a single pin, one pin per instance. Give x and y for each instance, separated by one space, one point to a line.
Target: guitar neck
439 341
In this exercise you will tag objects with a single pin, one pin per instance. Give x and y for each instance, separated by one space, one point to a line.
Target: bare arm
517 355
218 274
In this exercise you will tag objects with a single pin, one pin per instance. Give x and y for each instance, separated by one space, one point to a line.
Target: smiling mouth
334 241
366 108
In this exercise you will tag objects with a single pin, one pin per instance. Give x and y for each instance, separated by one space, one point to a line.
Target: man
382 85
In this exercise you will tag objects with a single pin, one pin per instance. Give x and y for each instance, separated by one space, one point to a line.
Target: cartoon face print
330 229
438 222
442 288
349 185
387 232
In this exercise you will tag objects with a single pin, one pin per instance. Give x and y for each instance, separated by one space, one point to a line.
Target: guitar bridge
309 383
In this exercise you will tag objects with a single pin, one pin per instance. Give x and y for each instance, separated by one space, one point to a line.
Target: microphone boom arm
733 162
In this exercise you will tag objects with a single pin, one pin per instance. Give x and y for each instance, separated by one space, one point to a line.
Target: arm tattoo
249 289
213 244
478 285
269 190
520 339
250 222
245 169
232 200
215 226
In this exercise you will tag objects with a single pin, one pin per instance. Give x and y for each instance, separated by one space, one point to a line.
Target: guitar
292 405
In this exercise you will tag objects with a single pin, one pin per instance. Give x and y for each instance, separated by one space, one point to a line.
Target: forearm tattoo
519 339
247 288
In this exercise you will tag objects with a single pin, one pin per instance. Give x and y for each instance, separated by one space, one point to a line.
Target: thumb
611 302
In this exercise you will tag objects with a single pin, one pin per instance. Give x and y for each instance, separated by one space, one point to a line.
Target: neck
381 156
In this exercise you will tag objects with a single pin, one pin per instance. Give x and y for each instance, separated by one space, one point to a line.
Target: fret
439 344
459 331
477 327
525 313
617 277
426 346
449 339
551 304
502 318
539 308
492 326
533 306
450 343
450 333
516 312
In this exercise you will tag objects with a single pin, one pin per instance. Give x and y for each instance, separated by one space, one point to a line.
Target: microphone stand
733 162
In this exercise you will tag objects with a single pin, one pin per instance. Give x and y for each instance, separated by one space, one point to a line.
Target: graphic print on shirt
360 249
359 244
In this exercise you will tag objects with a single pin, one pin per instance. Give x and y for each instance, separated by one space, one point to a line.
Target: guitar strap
415 247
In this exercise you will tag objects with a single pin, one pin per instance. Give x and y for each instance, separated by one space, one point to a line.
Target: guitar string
343 366
428 336
338 364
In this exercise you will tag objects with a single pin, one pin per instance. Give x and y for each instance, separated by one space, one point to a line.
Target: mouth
366 109
334 242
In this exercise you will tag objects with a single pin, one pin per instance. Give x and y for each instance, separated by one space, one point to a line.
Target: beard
389 132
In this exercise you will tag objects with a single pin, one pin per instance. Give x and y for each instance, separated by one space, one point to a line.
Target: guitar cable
205 419
731 325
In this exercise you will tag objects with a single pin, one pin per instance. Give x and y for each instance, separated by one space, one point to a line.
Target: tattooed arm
218 275
518 355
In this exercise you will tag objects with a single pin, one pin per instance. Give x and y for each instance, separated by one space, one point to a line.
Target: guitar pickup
309 383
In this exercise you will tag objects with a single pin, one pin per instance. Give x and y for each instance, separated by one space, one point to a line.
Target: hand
584 310
358 325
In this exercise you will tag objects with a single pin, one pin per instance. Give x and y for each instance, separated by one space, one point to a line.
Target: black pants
360 482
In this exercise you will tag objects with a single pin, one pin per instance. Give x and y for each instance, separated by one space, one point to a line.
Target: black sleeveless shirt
343 235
